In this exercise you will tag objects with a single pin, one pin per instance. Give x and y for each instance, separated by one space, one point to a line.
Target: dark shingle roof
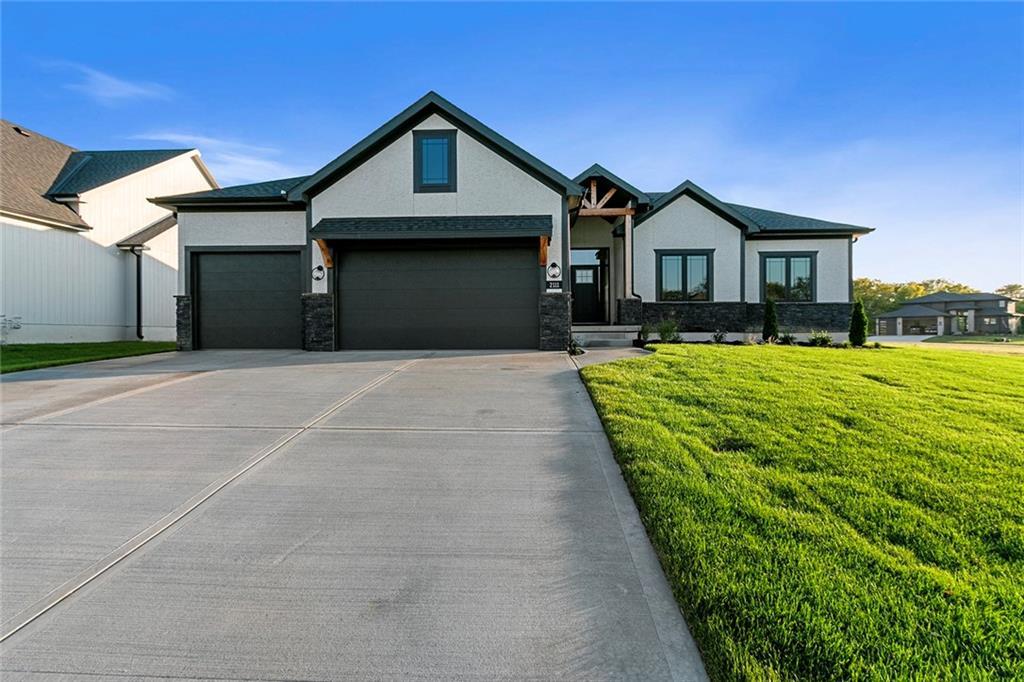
434 227
270 190
597 170
28 164
773 221
84 171
766 221
950 297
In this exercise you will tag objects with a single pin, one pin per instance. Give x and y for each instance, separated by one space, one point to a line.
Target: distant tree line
881 297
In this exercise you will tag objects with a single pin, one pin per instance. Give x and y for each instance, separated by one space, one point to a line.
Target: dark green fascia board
706 199
597 170
446 234
766 234
173 203
416 112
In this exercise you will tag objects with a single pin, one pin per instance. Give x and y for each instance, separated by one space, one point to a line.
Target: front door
586 294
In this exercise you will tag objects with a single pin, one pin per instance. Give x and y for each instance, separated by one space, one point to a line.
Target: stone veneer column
555 320
318 322
630 311
183 314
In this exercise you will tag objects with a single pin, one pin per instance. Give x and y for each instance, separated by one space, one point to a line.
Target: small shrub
645 331
770 331
787 340
719 336
858 324
820 338
574 347
668 332
876 345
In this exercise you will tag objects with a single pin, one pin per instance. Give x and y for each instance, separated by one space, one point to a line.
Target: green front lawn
964 338
18 357
831 514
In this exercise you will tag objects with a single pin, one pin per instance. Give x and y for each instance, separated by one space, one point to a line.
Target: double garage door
387 297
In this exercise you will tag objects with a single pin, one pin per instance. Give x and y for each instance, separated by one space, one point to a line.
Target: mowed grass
19 357
965 338
831 514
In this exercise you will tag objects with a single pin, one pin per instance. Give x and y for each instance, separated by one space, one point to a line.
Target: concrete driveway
286 515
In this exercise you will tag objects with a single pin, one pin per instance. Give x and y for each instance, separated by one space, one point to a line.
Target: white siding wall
833 265
78 286
252 228
487 184
118 209
685 224
63 287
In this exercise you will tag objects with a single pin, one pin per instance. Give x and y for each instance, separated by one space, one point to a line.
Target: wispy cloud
109 90
231 161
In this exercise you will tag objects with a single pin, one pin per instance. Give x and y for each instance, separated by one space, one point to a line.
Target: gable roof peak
409 118
597 170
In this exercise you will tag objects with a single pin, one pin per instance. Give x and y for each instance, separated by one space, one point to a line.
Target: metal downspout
137 250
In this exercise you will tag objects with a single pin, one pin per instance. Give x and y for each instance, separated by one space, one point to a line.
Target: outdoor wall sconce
554 271
319 273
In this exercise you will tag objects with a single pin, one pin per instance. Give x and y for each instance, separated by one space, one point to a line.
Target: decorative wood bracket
607 212
325 251
544 251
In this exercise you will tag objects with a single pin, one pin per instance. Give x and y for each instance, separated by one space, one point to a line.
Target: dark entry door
248 300
438 295
586 294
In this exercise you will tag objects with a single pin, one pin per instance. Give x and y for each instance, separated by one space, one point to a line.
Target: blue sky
904 117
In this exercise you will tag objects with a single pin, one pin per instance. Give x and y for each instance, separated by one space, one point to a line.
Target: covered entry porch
600 275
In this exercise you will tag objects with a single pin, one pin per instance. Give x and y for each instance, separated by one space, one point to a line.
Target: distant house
948 313
79 239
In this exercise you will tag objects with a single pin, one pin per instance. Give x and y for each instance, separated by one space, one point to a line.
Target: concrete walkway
287 515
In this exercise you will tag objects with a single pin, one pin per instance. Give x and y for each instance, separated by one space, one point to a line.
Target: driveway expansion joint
28 615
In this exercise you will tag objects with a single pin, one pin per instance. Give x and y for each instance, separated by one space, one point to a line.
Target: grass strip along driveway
19 357
831 514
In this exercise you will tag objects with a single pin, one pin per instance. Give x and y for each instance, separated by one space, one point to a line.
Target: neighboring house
437 232
948 313
75 229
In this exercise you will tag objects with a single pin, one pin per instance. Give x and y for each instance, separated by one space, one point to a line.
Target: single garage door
438 296
248 300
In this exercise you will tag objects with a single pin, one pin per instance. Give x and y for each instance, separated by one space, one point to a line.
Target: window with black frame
684 275
787 277
434 161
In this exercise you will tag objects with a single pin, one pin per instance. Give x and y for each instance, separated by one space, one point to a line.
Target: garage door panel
439 298
248 300
484 300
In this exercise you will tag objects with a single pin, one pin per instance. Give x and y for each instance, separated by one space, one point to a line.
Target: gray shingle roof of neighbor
84 171
270 190
597 170
149 232
434 227
418 111
29 162
950 297
913 311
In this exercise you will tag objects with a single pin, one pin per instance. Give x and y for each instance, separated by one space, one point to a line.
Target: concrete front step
595 336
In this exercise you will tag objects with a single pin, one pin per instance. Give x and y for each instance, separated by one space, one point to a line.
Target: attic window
434 161
20 131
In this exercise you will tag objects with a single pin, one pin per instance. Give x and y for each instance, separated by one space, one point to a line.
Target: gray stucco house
435 231
948 313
